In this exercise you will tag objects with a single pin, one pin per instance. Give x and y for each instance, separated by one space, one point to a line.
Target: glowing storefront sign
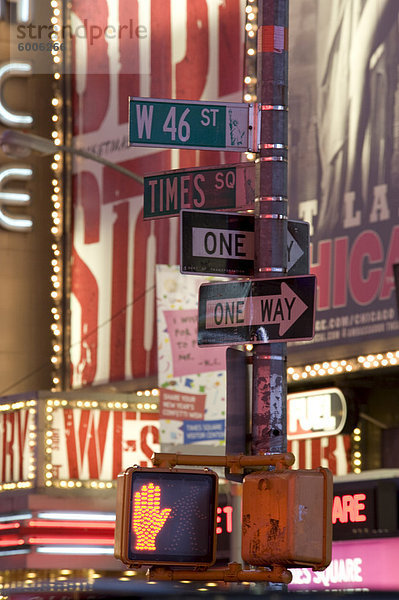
14 198
349 508
7 117
316 413
356 565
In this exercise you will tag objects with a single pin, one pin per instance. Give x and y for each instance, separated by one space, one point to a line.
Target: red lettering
322 271
359 506
90 199
129 57
328 457
70 440
151 242
97 437
120 442
22 420
85 289
91 442
230 78
8 450
348 508
392 258
192 71
3 453
92 85
145 448
364 287
10 444
119 292
117 444
311 453
337 513
228 511
161 50
340 272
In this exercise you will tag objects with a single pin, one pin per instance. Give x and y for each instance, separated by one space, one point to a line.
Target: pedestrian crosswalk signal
166 517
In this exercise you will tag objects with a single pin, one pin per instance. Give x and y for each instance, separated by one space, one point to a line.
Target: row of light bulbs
75 580
251 29
250 79
337 367
52 404
57 201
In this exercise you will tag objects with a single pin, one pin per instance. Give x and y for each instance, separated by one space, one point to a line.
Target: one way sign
260 310
222 243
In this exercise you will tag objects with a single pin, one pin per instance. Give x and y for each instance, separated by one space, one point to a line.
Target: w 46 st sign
259 310
183 124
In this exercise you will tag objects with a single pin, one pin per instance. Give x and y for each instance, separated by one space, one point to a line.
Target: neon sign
14 198
365 509
8 117
349 508
316 413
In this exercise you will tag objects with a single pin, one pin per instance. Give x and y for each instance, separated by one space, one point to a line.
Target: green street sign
220 187
182 124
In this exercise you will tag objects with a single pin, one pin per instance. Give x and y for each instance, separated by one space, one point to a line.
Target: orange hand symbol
148 520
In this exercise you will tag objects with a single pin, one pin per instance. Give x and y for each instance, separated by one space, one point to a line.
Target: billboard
97 443
363 565
160 49
344 115
192 380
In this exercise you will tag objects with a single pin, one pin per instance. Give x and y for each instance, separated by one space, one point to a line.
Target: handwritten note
187 357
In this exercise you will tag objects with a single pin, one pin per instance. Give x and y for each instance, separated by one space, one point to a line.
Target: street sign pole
269 397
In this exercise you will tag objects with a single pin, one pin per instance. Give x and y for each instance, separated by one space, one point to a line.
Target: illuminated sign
365 509
7 117
349 508
317 413
14 198
356 565
166 517
23 10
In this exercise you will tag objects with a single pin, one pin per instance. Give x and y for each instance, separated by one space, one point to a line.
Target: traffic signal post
166 516
269 393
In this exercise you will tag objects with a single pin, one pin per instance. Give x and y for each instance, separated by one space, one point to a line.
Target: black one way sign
216 243
259 310
223 243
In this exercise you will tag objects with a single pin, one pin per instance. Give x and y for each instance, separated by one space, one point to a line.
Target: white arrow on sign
294 251
285 309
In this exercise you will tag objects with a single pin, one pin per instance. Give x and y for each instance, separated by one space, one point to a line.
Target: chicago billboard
344 113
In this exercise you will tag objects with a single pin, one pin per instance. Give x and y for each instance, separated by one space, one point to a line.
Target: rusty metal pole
269 398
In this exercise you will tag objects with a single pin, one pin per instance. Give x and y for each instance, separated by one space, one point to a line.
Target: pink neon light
10 526
76 540
73 524
11 540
